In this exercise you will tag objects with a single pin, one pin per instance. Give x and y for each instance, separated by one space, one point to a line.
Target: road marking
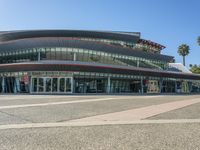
140 113
95 123
55 103
30 97
62 101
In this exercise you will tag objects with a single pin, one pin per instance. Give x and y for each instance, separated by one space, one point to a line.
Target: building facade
77 61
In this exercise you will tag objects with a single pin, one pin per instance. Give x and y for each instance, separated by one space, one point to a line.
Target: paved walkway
85 100
132 116
55 103
140 113
94 123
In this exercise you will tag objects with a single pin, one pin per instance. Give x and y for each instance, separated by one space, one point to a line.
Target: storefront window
41 85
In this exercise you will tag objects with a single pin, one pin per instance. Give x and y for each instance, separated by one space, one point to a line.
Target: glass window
34 84
55 85
68 84
48 85
62 85
41 85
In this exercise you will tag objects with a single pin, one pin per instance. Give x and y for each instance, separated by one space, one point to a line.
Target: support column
74 56
108 85
175 86
199 87
138 63
190 87
30 84
44 87
142 88
39 56
73 85
15 86
58 85
160 85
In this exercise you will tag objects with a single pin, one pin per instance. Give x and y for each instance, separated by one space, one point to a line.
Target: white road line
73 101
55 103
31 97
28 97
140 113
95 123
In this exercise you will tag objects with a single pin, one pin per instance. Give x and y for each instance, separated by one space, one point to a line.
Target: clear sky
168 22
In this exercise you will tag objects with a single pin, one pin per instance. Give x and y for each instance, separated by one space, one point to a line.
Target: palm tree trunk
184 60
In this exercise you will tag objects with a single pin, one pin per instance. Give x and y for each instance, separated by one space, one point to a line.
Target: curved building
77 61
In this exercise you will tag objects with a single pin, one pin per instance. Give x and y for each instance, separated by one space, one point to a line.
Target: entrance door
41 85
34 84
54 85
9 84
101 86
65 85
68 85
48 85
135 86
62 85
51 85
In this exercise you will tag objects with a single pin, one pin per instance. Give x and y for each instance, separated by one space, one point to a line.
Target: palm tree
183 50
198 40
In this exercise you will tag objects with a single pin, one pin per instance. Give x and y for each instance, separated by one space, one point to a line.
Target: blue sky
169 22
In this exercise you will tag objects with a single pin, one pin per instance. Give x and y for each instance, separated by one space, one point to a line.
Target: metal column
39 56
160 85
74 56
108 85
142 88
175 86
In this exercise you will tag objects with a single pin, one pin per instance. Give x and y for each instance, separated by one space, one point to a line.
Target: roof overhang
93 67
121 36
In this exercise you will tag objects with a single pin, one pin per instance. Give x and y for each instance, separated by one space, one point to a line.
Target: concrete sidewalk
140 113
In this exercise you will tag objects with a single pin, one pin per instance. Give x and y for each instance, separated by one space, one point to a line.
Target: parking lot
99 122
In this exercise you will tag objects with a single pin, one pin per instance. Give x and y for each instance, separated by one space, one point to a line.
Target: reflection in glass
48 84
41 85
68 84
55 85
62 85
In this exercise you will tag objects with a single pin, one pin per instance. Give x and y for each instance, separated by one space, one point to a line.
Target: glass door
48 86
52 85
41 85
65 85
62 85
68 85
55 85
34 84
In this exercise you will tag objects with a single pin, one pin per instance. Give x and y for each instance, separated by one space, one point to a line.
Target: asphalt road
29 109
